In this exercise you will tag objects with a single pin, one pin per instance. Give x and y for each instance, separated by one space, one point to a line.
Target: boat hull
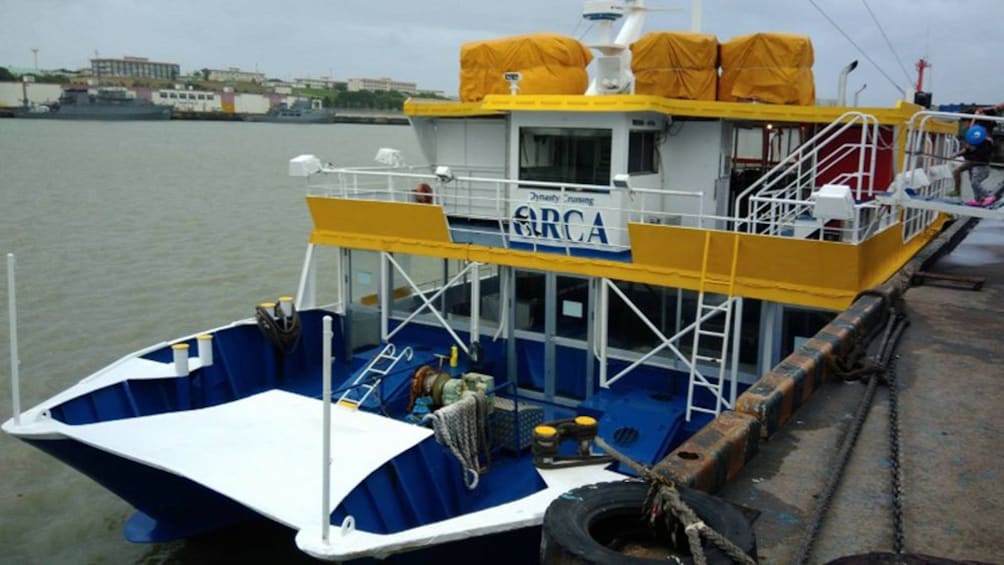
168 507
102 114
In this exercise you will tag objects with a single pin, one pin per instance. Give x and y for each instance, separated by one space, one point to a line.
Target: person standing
978 153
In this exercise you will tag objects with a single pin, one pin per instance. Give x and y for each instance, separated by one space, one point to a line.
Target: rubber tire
566 537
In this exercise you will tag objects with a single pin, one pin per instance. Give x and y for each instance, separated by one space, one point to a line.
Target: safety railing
929 165
527 214
778 200
571 217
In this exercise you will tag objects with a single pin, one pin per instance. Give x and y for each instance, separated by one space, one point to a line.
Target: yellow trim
179 346
819 274
379 219
204 337
374 299
267 304
445 109
285 299
497 103
585 420
348 404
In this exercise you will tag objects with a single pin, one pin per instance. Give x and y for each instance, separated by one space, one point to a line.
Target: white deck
263 451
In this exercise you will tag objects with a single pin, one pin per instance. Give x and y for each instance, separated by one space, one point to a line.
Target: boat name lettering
570 224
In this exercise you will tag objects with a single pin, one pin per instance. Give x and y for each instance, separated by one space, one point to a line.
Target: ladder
709 309
372 375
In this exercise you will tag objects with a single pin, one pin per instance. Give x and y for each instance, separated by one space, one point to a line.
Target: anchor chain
895 471
882 363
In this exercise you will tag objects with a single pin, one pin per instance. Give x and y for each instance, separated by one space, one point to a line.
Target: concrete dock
951 373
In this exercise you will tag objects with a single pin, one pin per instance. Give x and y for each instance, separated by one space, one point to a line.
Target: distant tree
6 75
205 74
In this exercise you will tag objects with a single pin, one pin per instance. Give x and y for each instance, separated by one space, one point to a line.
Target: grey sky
420 41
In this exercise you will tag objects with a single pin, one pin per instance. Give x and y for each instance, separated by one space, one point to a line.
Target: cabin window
530 301
572 302
574 155
642 152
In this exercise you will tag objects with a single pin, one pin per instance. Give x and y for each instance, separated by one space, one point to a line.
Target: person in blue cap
978 153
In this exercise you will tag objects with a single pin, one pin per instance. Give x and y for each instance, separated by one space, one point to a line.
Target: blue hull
185 509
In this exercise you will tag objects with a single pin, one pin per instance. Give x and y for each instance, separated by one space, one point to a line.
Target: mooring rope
460 427
664 500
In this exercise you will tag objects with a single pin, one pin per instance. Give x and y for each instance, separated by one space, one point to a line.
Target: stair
369 378
705 307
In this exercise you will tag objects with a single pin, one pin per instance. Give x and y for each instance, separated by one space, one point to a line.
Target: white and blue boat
607 262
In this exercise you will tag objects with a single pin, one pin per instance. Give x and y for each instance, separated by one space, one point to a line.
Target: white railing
928 166
496 211
782 197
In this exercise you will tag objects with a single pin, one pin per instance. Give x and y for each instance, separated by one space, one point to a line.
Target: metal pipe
15 361
326 433
695 15
842 83
858 93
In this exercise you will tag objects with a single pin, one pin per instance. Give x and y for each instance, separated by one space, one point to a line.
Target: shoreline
375 119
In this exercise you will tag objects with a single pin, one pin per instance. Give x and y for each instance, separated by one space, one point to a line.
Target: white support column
768 334
475 302
326 360
384 296
15 361
345 279
737 330
306 293
602 317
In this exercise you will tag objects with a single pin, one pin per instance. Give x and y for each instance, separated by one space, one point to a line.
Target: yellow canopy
676 65
549 64
768 67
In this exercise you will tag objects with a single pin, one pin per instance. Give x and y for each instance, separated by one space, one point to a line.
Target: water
128 234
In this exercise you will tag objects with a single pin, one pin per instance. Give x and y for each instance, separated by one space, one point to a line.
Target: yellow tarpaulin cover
676 65
768 67
550 64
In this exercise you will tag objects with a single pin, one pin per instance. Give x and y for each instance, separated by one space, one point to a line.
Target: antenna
34 54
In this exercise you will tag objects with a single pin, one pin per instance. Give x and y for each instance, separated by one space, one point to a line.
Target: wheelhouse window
573 155
642 152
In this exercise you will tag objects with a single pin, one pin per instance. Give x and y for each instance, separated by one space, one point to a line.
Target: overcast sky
420 40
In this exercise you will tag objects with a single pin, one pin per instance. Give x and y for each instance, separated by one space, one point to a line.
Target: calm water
129 234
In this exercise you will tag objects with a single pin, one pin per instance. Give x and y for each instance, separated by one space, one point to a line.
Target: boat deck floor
263 450
952 434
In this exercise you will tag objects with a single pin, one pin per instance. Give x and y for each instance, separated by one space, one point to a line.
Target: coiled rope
461 428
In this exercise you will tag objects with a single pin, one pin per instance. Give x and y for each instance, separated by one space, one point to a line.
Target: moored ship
298 112
79 103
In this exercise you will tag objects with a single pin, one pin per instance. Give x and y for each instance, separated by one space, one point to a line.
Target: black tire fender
597 524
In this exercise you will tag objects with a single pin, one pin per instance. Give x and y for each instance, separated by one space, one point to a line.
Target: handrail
809 150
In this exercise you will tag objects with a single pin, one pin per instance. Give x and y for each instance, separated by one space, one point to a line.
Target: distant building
319 82
134 67
384 83
234 74
189 100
